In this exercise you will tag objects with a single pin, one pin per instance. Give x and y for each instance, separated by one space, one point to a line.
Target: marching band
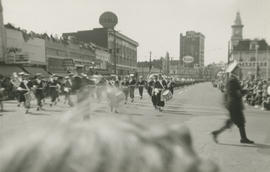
38 88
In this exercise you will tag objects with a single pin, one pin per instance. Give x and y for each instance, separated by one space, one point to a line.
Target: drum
167 95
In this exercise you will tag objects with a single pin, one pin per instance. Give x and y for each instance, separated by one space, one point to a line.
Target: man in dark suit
233 103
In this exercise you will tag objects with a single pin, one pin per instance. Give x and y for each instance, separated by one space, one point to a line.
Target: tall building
192 49
251 55
3 42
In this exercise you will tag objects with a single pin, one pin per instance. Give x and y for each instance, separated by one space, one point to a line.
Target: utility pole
256 55
150 62
114 51
267 65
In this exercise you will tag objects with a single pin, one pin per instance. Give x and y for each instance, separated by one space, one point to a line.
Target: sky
155 24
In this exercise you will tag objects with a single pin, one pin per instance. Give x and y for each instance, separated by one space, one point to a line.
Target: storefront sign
188 59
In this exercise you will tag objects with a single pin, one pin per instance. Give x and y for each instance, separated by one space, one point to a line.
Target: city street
199 107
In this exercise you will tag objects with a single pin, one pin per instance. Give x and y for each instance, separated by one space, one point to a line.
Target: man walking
233 103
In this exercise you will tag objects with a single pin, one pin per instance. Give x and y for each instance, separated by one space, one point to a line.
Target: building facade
68 57
192 49
103 55
252 55
123 50
3 39
24 51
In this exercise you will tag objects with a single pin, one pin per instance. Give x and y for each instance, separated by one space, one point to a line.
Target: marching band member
132 85
150 89
125 88
141 84
67 90
39 86
53 89
25 92
150 86
2 89
159 87
171 85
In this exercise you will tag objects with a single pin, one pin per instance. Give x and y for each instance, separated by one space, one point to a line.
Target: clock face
236 32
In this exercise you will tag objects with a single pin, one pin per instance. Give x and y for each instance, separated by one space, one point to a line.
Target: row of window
253 64
56 52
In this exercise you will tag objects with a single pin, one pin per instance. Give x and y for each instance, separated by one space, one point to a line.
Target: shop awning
35 70
8 70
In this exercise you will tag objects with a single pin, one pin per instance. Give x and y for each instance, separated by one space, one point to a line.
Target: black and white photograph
134 85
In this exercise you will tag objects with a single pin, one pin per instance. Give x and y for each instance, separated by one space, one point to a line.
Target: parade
34 92
134 86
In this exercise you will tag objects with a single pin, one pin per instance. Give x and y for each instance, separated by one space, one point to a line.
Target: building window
252 59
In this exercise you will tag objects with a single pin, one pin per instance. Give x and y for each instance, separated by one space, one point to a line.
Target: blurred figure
107 145
2 89
115 97
53 85
67 90
39 86
24 90
233 103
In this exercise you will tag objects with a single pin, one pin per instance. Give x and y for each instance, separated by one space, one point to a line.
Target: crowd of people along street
49 89
256 92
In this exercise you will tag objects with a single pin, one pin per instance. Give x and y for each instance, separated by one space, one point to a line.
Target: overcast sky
155 24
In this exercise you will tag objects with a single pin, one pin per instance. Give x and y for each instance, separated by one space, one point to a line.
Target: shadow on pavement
7 111
50 110
38 114
176 112
256 145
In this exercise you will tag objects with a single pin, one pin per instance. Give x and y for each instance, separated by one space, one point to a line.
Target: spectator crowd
255 92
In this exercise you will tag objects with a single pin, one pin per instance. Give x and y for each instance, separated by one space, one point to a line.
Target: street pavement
199 107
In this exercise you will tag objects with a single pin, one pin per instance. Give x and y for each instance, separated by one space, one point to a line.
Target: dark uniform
132 85
159 86
233 103
53 84
150 87
125 89
39 93
1 96
171 85
141 85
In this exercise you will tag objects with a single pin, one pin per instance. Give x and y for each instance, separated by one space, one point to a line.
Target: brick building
125 48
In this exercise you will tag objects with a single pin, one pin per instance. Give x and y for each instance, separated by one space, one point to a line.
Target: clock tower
237 30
